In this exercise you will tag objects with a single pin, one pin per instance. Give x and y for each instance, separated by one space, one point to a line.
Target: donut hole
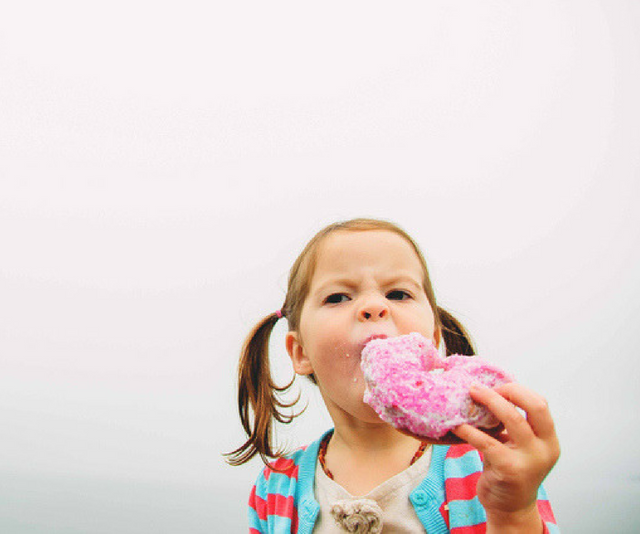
473 410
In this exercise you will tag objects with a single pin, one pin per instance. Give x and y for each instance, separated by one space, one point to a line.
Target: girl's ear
301 364
438 337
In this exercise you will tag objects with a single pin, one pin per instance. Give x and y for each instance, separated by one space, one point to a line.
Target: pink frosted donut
412 387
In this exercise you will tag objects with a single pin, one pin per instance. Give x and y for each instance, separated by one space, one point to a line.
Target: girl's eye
336 298
398 294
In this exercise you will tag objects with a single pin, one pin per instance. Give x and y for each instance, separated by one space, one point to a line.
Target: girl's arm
517 462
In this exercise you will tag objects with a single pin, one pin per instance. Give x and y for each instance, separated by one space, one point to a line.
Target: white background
163 163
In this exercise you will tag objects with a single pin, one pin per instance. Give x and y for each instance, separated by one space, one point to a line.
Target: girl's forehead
346 250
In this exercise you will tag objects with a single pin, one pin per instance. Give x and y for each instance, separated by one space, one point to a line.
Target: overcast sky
163 163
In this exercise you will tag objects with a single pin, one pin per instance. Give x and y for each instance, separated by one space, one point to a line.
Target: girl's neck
362 458
369 438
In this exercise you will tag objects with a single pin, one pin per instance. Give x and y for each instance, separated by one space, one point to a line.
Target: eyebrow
343 282
404 279
393 280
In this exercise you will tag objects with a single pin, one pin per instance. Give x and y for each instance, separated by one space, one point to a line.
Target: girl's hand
515 462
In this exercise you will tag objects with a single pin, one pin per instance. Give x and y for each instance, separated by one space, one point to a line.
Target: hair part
259 398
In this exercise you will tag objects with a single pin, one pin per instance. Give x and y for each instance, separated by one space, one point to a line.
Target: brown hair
257 391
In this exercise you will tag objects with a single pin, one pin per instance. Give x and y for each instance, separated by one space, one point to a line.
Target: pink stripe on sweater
280 505
462 489
283 466
275 505
258 504
546 513
456 451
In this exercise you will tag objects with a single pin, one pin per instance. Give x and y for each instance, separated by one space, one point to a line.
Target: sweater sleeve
463 467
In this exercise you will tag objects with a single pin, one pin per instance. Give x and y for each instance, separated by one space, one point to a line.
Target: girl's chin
370 416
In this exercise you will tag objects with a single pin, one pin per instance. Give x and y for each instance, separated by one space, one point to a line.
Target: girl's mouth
372 337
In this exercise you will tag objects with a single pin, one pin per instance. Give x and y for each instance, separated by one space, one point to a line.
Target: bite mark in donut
412 387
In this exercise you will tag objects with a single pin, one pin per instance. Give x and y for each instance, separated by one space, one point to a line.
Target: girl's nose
373 309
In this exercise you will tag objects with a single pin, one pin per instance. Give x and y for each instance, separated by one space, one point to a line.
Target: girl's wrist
523 521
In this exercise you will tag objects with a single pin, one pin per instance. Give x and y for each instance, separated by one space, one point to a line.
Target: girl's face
365 284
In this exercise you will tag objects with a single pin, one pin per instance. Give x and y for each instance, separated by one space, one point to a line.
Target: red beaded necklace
325 443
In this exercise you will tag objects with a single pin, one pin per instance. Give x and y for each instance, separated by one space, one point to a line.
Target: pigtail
456 338
258 396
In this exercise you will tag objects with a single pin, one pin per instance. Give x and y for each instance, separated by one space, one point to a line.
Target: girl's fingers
538 415
516 425
477 438
480 438
494 449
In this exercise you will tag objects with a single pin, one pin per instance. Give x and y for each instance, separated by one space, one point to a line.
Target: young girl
354 280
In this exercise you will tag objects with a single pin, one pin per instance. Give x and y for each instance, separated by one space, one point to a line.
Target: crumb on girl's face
365 283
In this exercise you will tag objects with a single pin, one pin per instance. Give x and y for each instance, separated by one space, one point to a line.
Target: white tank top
387 506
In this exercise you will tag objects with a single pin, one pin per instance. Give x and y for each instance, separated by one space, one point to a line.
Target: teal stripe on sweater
462 467
279 524
277 483
254 521
466 513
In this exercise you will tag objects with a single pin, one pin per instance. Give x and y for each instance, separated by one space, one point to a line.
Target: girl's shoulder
289 468
274 496
283 492
286 466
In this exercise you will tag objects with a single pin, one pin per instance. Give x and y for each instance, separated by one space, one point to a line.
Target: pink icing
412 387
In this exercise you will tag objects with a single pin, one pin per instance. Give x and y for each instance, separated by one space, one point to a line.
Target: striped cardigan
283 501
